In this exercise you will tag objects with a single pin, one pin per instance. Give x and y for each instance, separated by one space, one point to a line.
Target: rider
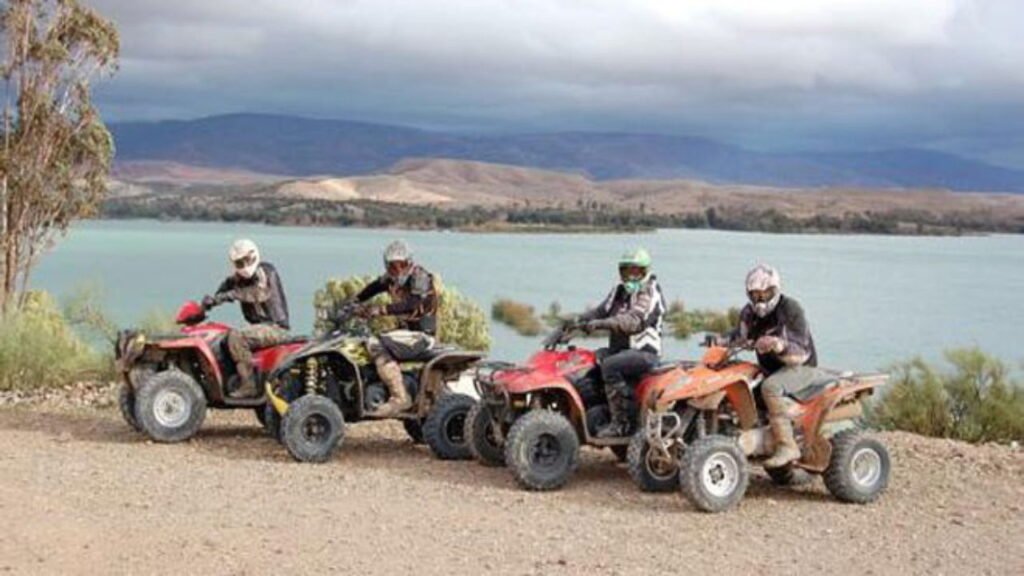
633 313
775 323
257 287
414 302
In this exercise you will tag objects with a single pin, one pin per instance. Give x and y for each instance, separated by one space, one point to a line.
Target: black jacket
262 296
787 322
414 302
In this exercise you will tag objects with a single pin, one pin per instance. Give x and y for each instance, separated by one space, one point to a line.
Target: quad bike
710 421
533 418
333 381
169 380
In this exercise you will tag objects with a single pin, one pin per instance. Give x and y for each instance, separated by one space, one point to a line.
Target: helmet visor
631 272
761 296
244 261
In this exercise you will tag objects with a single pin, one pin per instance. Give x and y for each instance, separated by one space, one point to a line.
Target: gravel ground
80 493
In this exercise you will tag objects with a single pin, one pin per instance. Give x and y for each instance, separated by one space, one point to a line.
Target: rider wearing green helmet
633 314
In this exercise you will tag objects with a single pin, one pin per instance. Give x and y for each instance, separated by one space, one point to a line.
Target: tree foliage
56 150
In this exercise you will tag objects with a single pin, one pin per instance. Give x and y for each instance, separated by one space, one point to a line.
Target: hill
306 147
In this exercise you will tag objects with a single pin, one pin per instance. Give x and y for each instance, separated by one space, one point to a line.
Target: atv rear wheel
445 427
650 472
414 429
542 450
312 428
484 444
170 406
126 402
858 471
713 473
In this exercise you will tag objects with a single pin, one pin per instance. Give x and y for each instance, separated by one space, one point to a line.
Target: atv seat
297 339
428 354
815 388
663 367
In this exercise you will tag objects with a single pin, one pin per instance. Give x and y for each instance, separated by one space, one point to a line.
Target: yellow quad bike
332 382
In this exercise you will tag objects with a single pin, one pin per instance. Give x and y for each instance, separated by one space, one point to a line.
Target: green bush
685 323
520 317
460 320
39 348
974 401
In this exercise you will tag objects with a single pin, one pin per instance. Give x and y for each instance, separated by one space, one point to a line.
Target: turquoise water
870 299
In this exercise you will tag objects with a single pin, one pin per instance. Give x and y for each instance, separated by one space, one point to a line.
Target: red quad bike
170 379
533 418
710 421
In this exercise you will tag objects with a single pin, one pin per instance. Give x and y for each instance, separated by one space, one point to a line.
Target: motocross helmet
764 289
634 269
398 261
245 257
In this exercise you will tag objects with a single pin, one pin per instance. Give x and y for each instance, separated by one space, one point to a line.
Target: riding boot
391 375
618 421
246 383
786 448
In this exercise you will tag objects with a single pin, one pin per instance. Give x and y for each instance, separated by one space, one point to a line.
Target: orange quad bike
533 418
709 423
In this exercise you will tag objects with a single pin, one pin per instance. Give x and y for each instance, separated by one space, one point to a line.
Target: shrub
685 323
38 348
460 320
974 401
520 317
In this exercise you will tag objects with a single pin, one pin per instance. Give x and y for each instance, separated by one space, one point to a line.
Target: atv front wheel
650 471
445 427
542 450
713 473
312 428
126 402
170 406
484 444
858 471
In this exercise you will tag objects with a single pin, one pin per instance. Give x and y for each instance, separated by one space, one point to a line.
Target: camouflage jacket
262 296
414 302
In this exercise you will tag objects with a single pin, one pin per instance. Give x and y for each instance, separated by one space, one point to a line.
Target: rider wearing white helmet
776 324
414 301
257 287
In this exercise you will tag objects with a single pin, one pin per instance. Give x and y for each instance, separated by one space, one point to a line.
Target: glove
208 302
769 344
368 311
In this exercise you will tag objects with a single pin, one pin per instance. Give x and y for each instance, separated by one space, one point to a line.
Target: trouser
618 368
242 341
399 345
790 380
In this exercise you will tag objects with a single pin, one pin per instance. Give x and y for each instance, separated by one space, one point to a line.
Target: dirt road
82 494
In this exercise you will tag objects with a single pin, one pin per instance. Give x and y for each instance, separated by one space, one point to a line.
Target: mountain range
301 147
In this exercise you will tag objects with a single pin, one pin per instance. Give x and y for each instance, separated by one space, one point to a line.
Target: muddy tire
444 429
542 450
713 473
483 443
413 429
170 406
858 471
126 403
647 472
312 428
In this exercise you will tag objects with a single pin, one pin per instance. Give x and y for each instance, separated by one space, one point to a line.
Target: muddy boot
618 422
246 383
391 375
786 448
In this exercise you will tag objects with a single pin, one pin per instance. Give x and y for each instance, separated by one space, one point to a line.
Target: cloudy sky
772 75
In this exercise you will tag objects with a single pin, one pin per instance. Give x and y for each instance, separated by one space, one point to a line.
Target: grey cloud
785 73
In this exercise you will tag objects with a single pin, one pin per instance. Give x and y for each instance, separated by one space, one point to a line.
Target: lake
870 300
